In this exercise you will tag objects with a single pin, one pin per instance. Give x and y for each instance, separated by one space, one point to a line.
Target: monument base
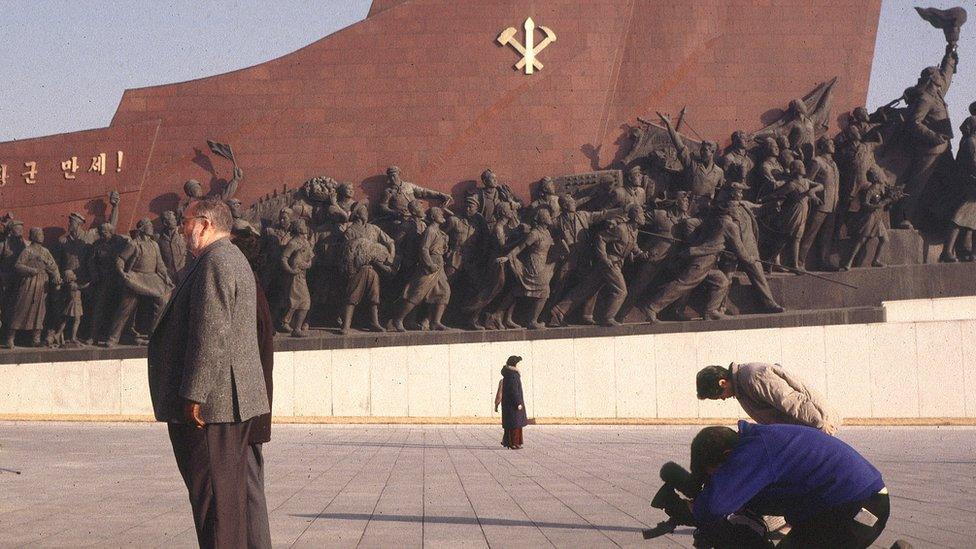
878 371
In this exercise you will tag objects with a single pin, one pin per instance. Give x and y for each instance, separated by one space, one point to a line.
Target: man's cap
513 360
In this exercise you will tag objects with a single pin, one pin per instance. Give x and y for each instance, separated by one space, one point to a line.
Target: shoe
376 328
880 264
774 308
650 316
397 325
610 322
512 325
716 315
946 257
437 326
588 320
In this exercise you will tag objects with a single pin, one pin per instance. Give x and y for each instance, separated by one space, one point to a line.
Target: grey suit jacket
205 346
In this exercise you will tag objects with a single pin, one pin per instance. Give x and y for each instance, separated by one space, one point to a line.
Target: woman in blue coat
509 395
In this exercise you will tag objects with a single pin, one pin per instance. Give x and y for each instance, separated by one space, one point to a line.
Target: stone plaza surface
113 485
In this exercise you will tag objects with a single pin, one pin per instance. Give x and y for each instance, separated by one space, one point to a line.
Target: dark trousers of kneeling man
206 383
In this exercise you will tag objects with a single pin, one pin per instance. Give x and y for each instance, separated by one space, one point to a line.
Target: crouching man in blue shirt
830 495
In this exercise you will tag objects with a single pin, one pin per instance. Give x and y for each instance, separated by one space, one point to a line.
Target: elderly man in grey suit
205 375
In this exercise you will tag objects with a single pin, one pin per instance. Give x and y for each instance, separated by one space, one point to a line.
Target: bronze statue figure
367 249
36 271
143 274
428 284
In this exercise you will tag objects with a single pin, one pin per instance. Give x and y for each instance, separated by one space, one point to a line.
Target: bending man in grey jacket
768 393
205 375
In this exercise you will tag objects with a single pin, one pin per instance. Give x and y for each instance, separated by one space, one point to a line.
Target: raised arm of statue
231 189
684 155
948 67
113 199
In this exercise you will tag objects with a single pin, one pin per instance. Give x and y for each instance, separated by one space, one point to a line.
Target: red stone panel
425 86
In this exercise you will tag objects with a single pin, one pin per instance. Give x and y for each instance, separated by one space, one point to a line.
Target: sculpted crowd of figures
678 215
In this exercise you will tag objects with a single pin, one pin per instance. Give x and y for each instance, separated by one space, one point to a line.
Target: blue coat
512 417
787 470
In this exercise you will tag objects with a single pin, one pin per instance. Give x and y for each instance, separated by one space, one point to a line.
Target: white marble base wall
904 368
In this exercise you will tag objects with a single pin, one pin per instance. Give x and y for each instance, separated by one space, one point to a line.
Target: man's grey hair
216 211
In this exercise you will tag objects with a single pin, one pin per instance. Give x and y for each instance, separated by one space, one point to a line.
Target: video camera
676 479
743 529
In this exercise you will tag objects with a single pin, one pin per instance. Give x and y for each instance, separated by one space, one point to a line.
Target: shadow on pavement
468 520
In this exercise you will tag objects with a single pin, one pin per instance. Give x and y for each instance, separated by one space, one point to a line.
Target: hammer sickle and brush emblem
530 50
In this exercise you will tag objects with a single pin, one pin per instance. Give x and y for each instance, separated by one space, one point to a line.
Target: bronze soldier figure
143 274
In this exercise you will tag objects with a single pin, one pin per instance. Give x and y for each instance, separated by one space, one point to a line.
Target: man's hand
519 406
191 414
238 173
114 197
829 429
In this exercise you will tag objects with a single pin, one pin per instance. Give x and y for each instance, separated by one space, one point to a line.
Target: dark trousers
213 463
512 437
258 529
842 527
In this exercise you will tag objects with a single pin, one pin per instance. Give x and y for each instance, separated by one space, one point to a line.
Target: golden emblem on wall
530 50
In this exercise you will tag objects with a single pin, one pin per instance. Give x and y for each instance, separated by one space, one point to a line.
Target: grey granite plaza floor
110 485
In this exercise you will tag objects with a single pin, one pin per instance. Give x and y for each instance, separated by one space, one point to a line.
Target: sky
66 63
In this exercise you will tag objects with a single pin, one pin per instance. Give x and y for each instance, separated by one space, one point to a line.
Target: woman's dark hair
707 381
709 448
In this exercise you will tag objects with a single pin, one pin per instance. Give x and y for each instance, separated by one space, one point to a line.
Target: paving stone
116 485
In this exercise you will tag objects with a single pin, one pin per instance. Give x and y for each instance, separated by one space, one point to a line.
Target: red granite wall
422 84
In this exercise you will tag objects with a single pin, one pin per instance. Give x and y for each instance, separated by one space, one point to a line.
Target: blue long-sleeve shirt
788 470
